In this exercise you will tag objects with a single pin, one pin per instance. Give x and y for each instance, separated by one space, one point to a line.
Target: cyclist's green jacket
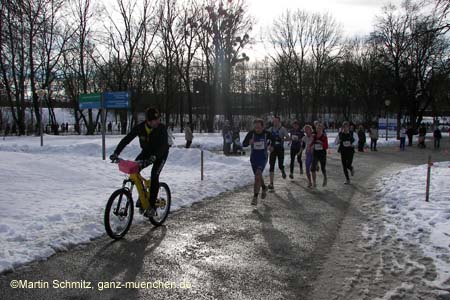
153 141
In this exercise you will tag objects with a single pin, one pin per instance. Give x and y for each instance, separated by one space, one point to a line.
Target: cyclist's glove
152 159
114 157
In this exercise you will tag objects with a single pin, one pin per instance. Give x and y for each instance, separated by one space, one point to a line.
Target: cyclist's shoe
283 174
291 176
138 203
324 182
347 181
264 192
270 187
352 171
301 171
254 200
151 212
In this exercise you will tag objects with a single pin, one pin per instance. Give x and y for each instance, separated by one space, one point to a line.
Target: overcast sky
356 16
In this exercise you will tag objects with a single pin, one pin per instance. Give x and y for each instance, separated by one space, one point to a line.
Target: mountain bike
119 209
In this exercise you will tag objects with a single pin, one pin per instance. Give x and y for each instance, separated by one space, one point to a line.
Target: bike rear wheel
119 214
163 203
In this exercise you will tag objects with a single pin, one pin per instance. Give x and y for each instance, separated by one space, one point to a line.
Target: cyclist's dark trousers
294 152
276 153
347 161
156 170
319 157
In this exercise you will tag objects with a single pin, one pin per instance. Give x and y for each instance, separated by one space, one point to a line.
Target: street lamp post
41 94
387 103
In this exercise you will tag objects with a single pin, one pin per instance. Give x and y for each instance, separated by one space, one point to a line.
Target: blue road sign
392 124
116 99
90 101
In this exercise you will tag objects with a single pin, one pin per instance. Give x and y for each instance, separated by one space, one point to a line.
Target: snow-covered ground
54 197
411 219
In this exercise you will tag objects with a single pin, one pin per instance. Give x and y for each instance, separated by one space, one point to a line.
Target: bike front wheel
162 204
119 214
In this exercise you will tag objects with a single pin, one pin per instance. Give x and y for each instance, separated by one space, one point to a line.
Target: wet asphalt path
222 248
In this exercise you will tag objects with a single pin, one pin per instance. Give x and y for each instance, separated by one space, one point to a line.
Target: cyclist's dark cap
152 114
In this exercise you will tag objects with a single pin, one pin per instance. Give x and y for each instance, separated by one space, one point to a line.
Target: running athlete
296 145
306 146
319 145
346 141
153 140
259 140
279 135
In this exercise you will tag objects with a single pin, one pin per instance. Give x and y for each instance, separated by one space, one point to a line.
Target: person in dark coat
361 138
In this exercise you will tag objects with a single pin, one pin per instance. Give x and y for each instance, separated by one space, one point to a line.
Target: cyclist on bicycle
153 139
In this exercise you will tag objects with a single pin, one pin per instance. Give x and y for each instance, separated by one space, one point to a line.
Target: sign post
427 195
103 128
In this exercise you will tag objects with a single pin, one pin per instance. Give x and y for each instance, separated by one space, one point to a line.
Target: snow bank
426 224
54 197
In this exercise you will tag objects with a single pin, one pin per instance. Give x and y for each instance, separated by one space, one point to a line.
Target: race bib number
259 145
295 137
347 144
318 147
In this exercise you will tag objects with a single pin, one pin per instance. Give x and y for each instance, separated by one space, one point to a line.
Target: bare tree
326 35
291 39
228 26
78 67
186 43
13 59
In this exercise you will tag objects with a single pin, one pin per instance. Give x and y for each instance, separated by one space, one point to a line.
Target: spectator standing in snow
402 138
361 138
227 137
410 134
422 134
188 135
437 138
373 138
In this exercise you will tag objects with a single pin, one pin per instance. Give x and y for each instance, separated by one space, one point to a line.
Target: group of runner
310 142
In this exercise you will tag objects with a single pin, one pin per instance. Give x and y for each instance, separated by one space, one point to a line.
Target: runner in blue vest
296 145
279 136
260 141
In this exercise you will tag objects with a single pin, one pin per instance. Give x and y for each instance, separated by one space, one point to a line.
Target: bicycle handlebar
142 163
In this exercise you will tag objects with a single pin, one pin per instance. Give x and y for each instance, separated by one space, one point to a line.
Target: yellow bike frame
143 187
